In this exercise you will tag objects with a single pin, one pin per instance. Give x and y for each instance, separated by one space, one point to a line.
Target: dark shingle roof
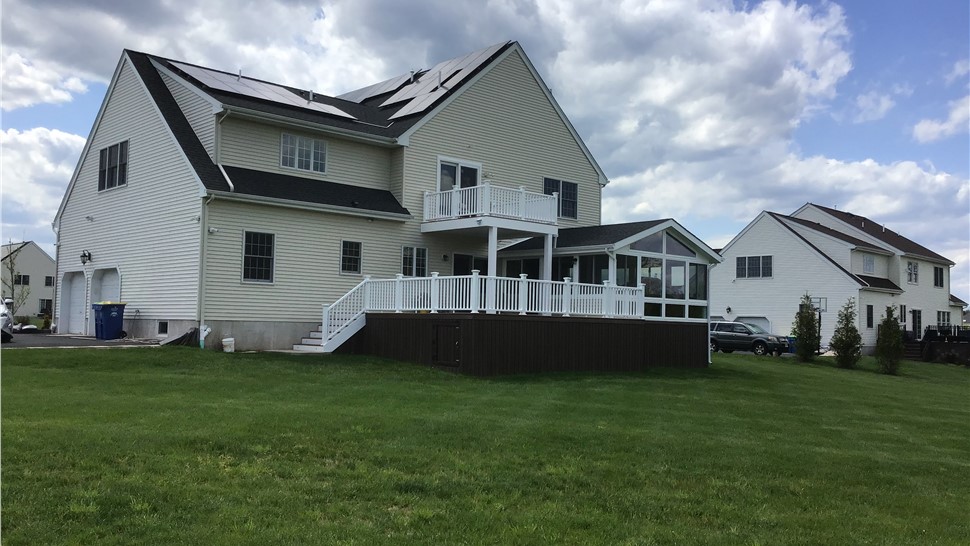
295 188
208 172
879 232
957 301
833 233
877 282
590 235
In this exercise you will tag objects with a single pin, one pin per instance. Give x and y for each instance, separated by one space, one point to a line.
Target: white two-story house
831 255
219 201
28 279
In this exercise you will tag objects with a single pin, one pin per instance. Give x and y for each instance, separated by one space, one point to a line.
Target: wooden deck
487 345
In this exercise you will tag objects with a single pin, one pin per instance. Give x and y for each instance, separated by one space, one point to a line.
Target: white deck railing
479 293
489 200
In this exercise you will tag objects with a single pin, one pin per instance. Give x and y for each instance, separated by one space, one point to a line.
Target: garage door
72 315
757 321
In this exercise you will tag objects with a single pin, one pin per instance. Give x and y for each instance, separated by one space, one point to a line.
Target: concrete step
312 341
309 348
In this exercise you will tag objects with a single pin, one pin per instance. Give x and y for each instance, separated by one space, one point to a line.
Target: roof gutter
315 207
345 133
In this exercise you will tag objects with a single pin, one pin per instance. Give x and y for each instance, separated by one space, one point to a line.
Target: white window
350 257
414 261
568 195
942 318
912 272
868 264
113 166
304 153
753 267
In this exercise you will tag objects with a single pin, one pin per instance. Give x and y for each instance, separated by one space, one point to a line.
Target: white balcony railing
489 200
478 293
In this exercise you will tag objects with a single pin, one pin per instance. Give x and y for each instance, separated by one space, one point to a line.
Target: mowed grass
181 446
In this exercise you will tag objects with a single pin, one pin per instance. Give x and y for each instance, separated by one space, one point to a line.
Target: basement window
163 327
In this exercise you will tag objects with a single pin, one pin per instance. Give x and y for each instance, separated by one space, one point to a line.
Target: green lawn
180 446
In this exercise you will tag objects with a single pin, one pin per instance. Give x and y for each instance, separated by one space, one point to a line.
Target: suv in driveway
741 336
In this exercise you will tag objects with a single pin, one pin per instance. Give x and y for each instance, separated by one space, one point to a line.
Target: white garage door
757 321
73 313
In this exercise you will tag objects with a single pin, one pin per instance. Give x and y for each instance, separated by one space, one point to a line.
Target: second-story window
868 264
568 204
304 153
753 267
113 166
937 276
21 280
912 272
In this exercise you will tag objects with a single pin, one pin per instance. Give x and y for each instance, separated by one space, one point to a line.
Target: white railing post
608 299
476 291
434 292
522 203
325 327
567 296
455 199
428 206
523 293
398 292
489 294
485 207
641 301
366 288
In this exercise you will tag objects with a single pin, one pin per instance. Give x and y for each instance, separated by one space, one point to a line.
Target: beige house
28 279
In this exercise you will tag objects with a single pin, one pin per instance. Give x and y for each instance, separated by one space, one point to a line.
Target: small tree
17 292
889 343
805 329
846 341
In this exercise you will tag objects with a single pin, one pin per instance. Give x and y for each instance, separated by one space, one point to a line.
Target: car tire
759 348
714 346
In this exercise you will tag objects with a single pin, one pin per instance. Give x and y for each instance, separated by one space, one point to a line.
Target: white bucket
229 345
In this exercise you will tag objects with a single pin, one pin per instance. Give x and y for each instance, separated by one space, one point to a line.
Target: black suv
741 336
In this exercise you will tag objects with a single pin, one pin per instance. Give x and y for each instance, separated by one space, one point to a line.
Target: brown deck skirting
486 345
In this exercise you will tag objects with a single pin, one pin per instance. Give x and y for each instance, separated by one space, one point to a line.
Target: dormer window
868 264
113 166
304 153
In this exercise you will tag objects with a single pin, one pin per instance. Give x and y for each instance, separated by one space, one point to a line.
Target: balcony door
457 174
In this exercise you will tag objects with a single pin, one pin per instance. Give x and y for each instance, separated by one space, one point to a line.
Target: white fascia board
213 103
927 258
238 111
679 229
303 205
404 139
556 251
760 215
55 224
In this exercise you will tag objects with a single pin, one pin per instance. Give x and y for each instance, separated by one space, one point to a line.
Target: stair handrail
336 318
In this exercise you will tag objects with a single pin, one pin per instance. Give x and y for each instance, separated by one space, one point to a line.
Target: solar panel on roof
364 93
256 89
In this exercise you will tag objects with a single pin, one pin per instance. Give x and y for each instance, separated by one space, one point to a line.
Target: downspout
57 267
204 234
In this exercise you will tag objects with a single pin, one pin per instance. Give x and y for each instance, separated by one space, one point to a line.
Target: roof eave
306 205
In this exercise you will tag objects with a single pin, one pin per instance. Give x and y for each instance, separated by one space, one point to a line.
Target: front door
917 323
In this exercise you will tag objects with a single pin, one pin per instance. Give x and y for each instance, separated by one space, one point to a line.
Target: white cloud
872 106
958 121
960 69
26 84
36 167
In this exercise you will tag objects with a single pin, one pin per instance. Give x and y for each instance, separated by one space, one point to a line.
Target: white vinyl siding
197 111
505 122
148 230
880 264
254 145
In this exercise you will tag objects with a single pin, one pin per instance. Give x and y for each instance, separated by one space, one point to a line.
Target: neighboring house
833 256
33 273
205 198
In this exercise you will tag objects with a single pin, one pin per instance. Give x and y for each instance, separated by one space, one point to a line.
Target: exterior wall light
85 257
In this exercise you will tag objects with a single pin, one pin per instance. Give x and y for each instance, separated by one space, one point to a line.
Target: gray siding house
215 200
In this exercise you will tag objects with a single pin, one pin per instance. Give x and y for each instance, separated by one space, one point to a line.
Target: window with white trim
568 196
414 261
937 276
868 264
912 272
870 320
49 280
753 267
902 314
21 280
113 166
258 256
942 318
304 153
46 307
350 257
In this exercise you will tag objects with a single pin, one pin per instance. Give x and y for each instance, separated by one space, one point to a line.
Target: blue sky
708 111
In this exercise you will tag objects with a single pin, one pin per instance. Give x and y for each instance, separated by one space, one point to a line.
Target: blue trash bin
109 320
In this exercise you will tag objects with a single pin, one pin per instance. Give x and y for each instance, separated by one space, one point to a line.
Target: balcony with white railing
488 201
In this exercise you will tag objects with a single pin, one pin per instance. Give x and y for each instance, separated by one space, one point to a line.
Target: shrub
889 344
805 329
846 341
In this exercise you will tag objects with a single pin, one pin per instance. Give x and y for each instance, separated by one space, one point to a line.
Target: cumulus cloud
872 106
36 167
958 121
960 70
26 84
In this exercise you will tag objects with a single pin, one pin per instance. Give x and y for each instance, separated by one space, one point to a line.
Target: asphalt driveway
65 341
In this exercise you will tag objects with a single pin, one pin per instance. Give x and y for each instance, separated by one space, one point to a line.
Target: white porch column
547 258
492 269
612 267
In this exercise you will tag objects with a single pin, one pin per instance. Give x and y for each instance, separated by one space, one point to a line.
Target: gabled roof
612 235
833 233
957 301
13 248
879 232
